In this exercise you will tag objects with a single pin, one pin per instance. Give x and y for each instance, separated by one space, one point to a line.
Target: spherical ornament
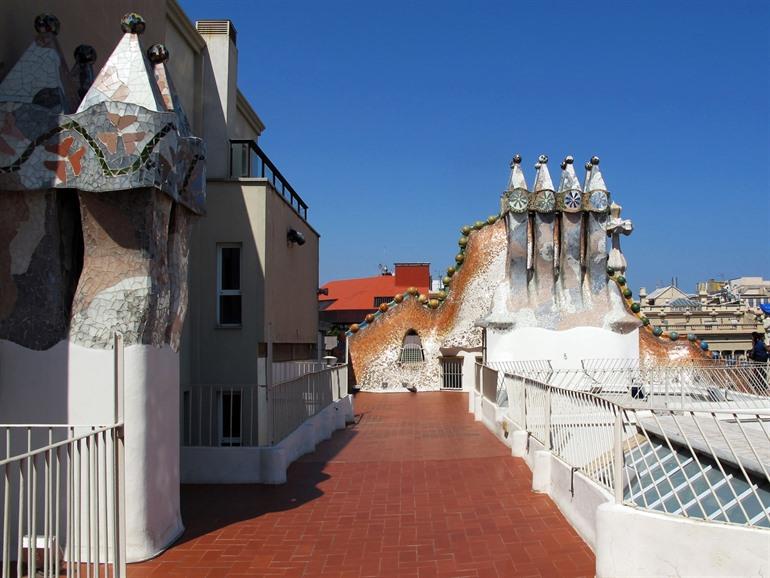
466 230
47 23
569 159
620 280
398 298
542 159
478 225
587 166
447 280
691 337
515 160
627 293
85 54
610 271
463 241
595 160
383 307
645 321
354 328
369 318
422 298
157 53
412 291
433 303
132 23
441 295
450 271
491 219
459 257
635 307
673 336
704 345
657 331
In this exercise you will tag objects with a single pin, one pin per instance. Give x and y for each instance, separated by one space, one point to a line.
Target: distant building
724 321
348 301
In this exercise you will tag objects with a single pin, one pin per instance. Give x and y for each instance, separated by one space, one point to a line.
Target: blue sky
396 120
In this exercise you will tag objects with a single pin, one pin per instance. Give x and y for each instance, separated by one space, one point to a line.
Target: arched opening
411 348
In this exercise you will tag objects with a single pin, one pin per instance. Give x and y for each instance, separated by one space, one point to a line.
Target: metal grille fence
703 385
707 464
452 373
291 403
411 353
288 370
220 415
62 501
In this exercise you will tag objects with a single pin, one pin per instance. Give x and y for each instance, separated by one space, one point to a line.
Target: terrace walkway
416 488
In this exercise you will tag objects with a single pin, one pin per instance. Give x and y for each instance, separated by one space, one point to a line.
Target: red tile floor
416 488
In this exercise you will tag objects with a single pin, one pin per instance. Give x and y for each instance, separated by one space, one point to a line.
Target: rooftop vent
211 27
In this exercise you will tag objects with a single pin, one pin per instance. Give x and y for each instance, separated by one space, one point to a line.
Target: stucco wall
73 384
291 273
211 354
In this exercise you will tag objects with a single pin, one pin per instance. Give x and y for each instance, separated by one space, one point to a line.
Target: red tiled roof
348 294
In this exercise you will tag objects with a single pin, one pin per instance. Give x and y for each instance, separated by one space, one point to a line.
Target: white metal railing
708 464
674 385
62 501
220 415
288 370
292 402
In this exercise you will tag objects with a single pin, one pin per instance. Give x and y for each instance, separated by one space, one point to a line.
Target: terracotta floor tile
416 488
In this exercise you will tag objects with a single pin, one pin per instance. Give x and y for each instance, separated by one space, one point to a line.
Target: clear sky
396 120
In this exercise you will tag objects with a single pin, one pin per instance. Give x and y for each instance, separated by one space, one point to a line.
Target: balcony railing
702 463
247 160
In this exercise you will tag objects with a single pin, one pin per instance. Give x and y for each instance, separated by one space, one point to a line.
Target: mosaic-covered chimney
100 179
556 267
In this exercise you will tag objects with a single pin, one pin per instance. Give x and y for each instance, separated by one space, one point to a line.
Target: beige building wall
278 285
291 302
211 353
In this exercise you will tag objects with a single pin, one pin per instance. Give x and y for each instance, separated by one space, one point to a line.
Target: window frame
228 292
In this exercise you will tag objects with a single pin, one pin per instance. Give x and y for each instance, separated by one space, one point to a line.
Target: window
230 418
229 285
411 351
380 300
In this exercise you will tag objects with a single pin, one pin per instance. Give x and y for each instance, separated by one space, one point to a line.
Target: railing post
119 472
548 417
617 478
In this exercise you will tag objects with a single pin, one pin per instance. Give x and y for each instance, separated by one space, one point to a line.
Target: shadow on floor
209 507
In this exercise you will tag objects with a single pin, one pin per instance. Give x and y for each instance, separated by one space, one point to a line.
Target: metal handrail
274 176
703 463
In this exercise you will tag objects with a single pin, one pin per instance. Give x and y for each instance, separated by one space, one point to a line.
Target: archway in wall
411 348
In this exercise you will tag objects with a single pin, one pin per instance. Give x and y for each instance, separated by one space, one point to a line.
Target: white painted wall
264 465
73 384
565 349
636 543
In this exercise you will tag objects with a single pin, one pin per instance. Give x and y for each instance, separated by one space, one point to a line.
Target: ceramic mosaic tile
123 164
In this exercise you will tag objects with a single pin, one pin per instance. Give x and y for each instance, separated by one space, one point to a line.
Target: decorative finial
542 159
515 160
157 53
569 159
595 160
588 165
537 166
132 23
85 54
563 165
47 23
